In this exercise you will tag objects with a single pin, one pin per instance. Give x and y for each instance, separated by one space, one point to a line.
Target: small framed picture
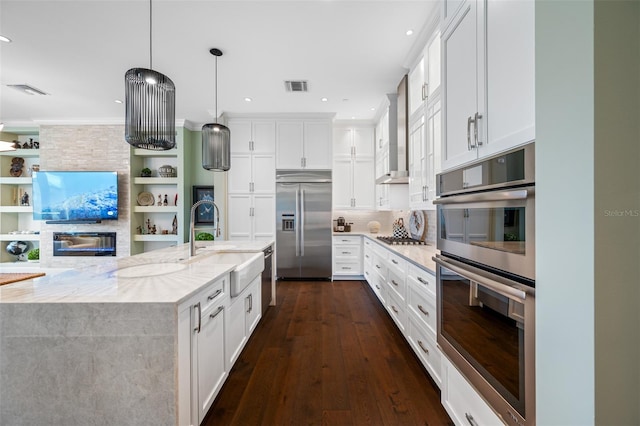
204 213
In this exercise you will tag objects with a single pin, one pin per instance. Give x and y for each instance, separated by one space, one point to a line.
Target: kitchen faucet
192 228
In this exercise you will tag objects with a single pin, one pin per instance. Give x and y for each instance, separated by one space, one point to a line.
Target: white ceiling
352 52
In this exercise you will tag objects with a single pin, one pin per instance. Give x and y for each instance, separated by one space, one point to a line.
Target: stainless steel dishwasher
267 275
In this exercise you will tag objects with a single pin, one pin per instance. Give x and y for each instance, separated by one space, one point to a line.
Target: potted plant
146 172
33 255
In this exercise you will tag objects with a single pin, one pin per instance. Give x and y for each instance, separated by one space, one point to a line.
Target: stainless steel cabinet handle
217 312
214 295
378 266
197 306
394 261
470 419
423 310
377 286
346 267
470 120
346 252
476 123
301 161
298 223
425 350
250 302
423 281
394 309
394 283
366 255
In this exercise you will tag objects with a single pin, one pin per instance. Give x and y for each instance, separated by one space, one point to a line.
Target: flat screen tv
84 196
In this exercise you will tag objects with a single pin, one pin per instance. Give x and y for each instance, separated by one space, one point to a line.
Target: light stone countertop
100 283
418 255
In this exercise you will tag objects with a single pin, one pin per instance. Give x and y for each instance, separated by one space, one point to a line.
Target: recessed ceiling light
324 99
353 118
248 99
409 32
118 101
373 109
5 39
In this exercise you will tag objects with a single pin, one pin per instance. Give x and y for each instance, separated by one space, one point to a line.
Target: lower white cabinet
244 314
251 216
347 257
423 343
202 370
464 405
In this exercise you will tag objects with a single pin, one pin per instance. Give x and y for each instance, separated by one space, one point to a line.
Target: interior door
315 202
287 242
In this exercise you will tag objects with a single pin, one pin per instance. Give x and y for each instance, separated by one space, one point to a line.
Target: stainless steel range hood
398 147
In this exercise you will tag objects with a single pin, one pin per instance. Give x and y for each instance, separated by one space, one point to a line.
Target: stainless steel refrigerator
303 224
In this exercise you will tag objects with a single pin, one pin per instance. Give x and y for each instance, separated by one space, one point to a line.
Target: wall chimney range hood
398 155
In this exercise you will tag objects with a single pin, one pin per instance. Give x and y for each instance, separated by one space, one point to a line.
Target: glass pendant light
150 117
216 138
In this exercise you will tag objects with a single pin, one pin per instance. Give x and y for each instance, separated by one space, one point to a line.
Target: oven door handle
513 194
498 287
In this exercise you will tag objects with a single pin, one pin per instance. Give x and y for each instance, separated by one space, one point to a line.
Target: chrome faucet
192 228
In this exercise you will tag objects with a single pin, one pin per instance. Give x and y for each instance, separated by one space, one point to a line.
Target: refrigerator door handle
302 223
297 223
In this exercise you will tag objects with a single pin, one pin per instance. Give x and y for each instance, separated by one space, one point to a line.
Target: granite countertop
418 255
178 277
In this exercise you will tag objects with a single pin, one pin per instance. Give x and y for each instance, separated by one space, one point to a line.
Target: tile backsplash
360 219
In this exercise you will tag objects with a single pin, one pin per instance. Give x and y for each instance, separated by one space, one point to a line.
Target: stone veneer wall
94 147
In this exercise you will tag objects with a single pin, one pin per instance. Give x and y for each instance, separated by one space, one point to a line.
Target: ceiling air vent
25 88
296 85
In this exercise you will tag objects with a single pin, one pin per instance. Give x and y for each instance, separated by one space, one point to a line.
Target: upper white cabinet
424 77
251 181
303 144
488 54
353 168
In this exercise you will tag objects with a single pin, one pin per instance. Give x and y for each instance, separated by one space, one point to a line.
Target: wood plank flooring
327 354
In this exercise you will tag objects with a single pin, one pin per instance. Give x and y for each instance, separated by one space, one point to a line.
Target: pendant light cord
150 34
216 90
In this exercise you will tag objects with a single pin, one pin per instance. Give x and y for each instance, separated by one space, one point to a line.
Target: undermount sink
248 265
148 270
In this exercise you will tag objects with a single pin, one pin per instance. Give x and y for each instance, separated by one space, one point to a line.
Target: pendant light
216 138
150 105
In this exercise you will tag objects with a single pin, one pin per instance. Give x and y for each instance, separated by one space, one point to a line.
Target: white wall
564 213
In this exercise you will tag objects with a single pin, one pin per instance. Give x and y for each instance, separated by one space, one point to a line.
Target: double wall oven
486 279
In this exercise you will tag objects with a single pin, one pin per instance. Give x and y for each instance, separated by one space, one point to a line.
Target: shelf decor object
204 214
150 106
216 138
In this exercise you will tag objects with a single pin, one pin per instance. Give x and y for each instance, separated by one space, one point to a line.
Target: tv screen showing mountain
75 196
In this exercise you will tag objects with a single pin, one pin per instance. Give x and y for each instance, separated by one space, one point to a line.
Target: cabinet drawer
397 283
461 401
423 279
346 251
422 306
398 263
347 268
347 239
213 293
396 309
379 265
424 345
368 256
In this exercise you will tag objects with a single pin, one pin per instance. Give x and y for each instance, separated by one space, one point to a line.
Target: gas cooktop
401 241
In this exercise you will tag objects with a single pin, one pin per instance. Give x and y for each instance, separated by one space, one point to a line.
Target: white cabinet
353 168
462 402
201 350
14 217
347 257
488 54
251 181
424 77
244 315
252 216
392 197
303 144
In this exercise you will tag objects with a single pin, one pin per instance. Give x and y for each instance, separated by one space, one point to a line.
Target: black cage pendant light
150 106
216 138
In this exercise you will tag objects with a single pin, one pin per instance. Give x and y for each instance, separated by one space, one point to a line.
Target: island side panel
88 364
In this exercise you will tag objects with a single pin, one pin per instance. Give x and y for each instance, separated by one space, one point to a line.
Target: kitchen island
112 343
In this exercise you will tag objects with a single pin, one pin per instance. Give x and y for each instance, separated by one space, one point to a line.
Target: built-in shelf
155 237
155 209
153 153
21 153
155 181
20 237
15 180
16 209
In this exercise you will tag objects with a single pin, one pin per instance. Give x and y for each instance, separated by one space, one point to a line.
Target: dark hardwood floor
327 354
